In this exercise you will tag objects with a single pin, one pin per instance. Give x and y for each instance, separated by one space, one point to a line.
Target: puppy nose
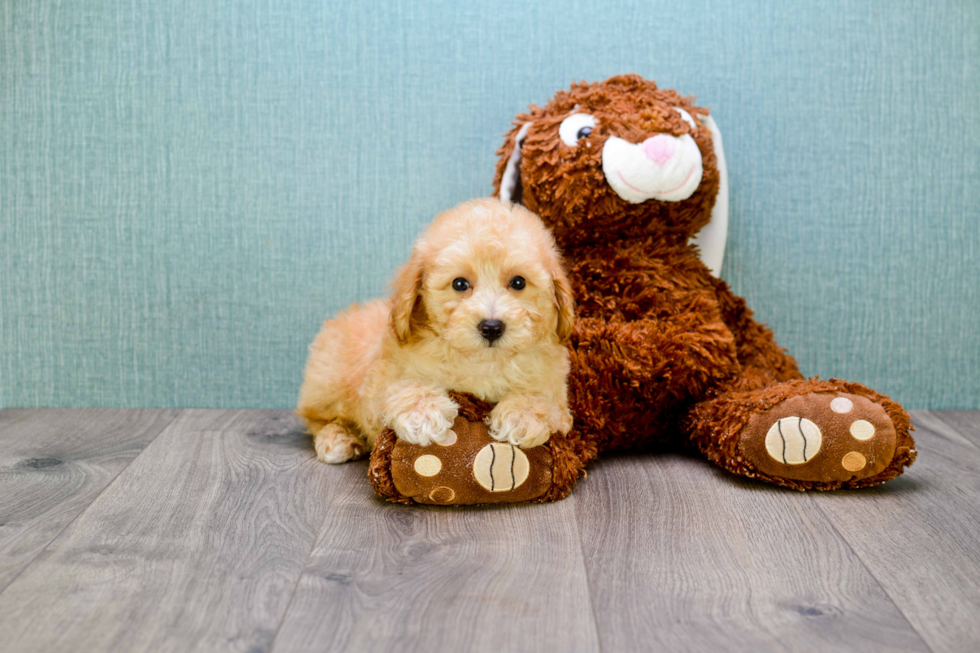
491 329
659 148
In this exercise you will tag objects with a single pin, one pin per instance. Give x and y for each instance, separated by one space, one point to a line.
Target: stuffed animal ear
565 299
407 309
508 184
713 236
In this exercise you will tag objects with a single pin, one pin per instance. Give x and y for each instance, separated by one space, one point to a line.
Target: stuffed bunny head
614 159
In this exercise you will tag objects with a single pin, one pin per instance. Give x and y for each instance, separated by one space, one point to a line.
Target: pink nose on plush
659 148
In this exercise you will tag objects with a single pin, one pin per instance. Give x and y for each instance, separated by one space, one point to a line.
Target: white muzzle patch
665 168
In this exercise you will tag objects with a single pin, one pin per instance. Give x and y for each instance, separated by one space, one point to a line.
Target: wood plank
964 423
53 464
684 556
920 534
387 577
196 546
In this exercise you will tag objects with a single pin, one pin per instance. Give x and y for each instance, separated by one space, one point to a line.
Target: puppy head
486 277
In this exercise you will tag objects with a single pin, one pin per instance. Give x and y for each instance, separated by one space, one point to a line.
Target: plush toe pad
820 437
470 468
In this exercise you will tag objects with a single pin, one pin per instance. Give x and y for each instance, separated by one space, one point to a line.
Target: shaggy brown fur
663 353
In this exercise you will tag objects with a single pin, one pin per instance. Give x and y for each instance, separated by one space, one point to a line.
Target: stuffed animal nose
491 329
659 148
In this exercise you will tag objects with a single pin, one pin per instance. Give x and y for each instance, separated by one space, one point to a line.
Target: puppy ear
565 299
507 180
407 310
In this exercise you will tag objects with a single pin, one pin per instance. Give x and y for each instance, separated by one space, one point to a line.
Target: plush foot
469 467
334 443
820 437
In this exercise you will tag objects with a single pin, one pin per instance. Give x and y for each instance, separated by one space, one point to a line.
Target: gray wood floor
198 530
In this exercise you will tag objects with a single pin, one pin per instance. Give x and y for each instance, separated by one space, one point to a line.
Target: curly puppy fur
391 363
663 353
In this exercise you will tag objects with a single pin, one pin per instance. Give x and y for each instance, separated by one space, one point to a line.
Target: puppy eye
460 284
518 283
687 118
574 127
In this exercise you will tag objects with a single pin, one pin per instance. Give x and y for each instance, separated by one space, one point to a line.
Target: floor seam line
299 579
166 426
585 571
858 557
936 415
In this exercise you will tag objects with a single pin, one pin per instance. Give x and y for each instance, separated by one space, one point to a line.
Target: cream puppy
482 307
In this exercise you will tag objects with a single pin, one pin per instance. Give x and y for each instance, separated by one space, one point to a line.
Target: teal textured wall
188 188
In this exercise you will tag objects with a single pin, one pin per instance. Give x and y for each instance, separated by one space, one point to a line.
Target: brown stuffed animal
663 353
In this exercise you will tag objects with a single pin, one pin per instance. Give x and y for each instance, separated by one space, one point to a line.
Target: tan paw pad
793 440
500 467
862 429
853 462
450 439
442 494
427 465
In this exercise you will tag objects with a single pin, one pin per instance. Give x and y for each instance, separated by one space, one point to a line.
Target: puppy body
500 338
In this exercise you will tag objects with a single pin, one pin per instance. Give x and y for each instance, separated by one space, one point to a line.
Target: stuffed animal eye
574 127
518 283
460 284
687 118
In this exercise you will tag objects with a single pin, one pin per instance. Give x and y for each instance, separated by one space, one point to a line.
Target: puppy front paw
527 421
421 416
